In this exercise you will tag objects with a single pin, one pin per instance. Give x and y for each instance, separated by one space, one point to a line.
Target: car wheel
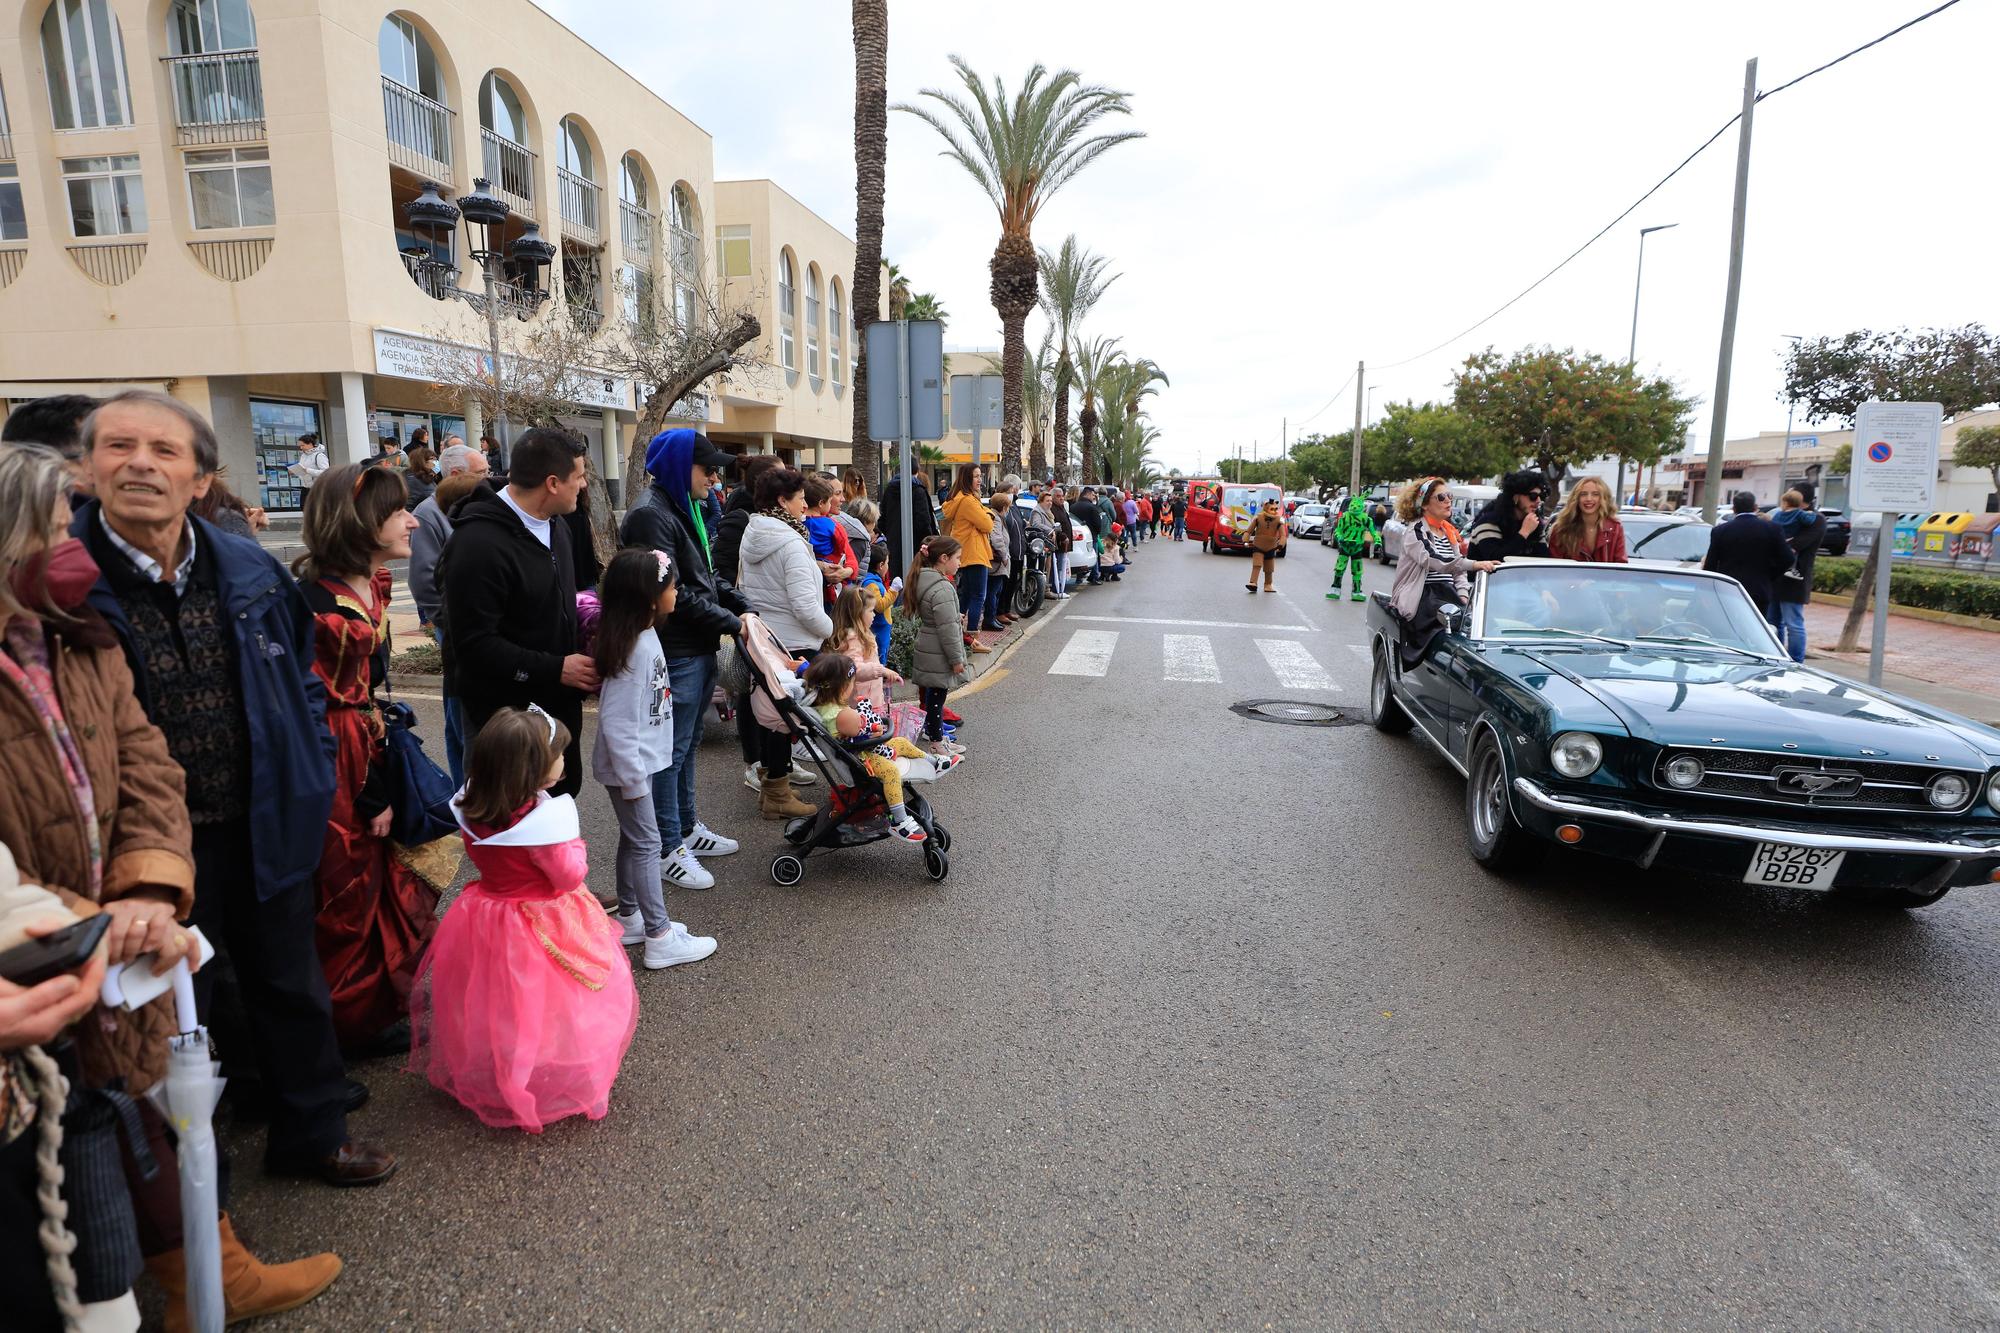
1496 840
1384 712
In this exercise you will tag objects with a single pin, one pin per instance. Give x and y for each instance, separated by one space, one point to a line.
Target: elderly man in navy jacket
1750 549
221 648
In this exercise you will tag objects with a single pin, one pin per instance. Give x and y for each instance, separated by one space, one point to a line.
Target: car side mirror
1452 617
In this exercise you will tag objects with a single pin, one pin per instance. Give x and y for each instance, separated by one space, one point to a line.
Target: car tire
1497 841
1384 713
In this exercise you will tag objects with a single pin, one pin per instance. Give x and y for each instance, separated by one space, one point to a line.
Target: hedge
1930 589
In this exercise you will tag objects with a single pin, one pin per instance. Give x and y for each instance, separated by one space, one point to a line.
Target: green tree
1842 461
1561 408
1978 446
1436 440
1038 394
1096 377
1318 464
871 157
1830 378
926 305
1021 151
1072 281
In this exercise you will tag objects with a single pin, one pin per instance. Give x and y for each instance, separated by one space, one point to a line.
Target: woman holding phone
94 810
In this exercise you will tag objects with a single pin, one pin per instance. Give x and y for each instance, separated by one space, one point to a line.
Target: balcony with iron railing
582 205
419 131
218 98
511 168
6 144
635 233
684 251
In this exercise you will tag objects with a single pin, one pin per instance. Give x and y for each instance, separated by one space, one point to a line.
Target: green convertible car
1649 714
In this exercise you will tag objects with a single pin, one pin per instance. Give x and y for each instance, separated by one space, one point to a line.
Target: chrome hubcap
1489 798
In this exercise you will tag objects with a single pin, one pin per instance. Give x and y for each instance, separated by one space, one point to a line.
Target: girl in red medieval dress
374 912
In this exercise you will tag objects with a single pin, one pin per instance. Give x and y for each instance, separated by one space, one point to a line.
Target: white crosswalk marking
1191 657
1295 668
1088 653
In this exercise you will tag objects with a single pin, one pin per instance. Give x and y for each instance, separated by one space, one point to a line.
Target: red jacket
1145 511
1609 550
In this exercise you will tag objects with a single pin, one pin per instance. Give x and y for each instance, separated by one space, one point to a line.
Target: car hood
1700 698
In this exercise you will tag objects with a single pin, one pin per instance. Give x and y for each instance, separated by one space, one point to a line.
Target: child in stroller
829 683
857 809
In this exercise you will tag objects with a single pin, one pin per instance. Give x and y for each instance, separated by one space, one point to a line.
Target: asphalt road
1214 1024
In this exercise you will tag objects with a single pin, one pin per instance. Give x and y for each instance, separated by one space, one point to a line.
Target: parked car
1839 532
1649 715
1665 539
1311 520
1391 529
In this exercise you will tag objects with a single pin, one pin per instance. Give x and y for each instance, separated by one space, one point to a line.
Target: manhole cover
1293 713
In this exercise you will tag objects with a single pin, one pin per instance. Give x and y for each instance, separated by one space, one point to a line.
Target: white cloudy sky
1324 184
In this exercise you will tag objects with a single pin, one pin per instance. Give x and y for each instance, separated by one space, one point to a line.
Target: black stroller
856 811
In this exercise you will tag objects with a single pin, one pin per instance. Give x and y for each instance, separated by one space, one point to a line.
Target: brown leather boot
776 801
250 1288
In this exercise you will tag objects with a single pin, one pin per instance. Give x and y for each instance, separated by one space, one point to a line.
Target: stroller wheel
941 836
935 862
789 870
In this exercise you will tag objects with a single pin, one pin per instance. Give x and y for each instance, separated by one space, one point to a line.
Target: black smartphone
34 961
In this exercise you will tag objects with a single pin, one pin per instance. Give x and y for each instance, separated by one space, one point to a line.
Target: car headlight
1576 754
1685 772
1993 791
1948 791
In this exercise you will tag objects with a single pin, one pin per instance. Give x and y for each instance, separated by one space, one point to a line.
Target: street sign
976 402
889 374
1895 457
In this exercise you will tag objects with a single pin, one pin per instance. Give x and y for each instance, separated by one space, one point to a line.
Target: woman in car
1432 566
1588 529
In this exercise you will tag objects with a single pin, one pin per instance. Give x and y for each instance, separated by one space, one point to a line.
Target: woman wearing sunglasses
1431 566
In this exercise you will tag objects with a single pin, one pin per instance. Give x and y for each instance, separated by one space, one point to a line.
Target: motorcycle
1033 585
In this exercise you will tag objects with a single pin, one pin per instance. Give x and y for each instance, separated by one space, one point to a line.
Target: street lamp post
431 217
1632 351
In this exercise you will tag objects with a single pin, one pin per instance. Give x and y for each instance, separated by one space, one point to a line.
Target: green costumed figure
1352 536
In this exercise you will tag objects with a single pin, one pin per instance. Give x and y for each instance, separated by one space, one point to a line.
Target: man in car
1511 523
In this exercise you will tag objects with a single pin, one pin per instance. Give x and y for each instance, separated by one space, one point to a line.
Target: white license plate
1794 867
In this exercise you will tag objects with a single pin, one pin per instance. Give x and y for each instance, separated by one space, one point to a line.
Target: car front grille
1784 779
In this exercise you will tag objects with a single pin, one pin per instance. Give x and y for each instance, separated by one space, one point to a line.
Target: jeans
1792 628
1180 528
972 595
454 730
999 598
692 681
639 861
1059 584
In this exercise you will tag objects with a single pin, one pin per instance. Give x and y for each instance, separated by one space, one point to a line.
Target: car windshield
1661 540
1624 604
1314 510
1246 497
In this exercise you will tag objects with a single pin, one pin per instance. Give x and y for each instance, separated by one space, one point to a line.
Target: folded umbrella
187 1096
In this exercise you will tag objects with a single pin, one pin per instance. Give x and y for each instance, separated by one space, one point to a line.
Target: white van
1468 500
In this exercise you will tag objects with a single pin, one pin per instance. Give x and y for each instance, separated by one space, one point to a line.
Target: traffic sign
1895 457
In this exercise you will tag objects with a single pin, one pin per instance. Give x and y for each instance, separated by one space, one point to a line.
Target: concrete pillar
229 413
769 447
614 461
347 418
819 455
475 421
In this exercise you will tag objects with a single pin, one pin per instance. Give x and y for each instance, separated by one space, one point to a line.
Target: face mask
63 574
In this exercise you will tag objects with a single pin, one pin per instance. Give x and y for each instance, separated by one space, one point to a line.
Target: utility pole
1718 426
1360 397
1284 453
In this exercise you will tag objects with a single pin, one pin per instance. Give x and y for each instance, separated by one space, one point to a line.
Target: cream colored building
210 196
1755 462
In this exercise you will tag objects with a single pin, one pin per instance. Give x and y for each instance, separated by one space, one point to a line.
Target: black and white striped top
1443 549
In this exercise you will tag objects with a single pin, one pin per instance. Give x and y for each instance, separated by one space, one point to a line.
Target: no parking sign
1895 457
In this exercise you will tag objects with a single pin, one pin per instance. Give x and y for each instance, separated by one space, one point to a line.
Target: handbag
419 791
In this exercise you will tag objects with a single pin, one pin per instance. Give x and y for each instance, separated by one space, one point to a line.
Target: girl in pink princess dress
524 1004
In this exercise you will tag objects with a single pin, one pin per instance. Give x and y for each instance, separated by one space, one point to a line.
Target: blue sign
1879 451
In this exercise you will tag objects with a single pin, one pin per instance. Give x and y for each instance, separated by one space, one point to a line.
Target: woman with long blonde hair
1588 529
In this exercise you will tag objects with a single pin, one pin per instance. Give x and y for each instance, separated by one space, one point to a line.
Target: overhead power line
1705 144
1331 401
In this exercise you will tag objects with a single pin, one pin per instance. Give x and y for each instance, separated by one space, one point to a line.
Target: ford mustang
1649 714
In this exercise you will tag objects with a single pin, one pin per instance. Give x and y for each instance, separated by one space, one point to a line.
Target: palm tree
1097 364
1021 152
925 305
1136 380
1038 393
899 293
871 156
1072 280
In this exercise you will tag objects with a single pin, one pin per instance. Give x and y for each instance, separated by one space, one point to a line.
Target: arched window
835 329
217 81
407 58
500 110
812 323
85 59
204 27
573 150
788 315
632 182
684 254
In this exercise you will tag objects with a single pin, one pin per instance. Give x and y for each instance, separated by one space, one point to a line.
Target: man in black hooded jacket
1511 523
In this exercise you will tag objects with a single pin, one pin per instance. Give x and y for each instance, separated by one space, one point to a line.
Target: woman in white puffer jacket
780 579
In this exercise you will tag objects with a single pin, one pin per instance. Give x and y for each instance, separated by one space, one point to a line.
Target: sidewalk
1945 666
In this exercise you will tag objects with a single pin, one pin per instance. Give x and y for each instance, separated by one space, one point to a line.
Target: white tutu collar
553 820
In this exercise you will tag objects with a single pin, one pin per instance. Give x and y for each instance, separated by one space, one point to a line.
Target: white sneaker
909 830
753 777
704 841
633 926
676 947
684 872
